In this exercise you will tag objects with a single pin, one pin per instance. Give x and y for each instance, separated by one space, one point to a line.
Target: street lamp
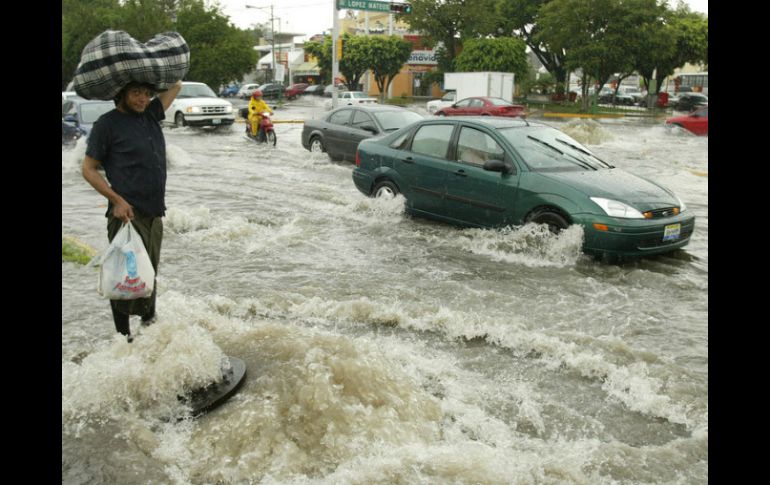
272 35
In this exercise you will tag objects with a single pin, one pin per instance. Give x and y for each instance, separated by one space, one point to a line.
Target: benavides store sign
423 57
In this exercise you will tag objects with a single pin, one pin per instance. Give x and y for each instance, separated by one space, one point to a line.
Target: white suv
197 105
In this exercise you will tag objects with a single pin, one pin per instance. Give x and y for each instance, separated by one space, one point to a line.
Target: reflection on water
382 348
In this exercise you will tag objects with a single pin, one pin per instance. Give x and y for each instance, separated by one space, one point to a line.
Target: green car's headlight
682 207
613 208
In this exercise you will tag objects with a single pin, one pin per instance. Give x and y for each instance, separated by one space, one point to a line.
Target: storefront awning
306 69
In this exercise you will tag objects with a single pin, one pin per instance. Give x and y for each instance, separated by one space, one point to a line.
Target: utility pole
335 61
390 33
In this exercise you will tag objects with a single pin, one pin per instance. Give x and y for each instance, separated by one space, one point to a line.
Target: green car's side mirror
499 166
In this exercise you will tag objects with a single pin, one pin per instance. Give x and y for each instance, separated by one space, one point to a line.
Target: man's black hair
131 84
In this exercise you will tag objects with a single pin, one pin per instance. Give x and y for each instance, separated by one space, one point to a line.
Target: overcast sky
311 17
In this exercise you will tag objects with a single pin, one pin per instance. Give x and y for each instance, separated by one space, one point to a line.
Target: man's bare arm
120 208
168 96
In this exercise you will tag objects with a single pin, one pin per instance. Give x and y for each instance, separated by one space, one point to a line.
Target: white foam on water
532 245
186 219
178 157
631 384
164 361
72 158
586 131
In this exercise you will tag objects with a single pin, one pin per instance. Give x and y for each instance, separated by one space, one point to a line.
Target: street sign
364 5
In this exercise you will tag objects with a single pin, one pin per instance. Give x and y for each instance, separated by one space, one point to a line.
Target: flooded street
381 348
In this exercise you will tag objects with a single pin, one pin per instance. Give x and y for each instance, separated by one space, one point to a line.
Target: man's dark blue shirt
132 150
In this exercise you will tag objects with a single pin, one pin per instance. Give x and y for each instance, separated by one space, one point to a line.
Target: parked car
328 89
447 99
197 105
497 172
316 89
616 99
482 106
229 91
696 122
349 98
339 132
70 133
295 90
272 90
689 101
246 90
83 113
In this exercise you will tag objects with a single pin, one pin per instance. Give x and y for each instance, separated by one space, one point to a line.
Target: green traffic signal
400 8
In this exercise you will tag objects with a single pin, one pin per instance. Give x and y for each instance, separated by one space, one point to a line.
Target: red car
294 90
482 106
696 122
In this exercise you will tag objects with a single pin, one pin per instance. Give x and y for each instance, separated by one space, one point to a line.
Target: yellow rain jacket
256 108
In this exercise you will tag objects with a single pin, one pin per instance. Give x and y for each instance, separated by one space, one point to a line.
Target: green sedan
496 172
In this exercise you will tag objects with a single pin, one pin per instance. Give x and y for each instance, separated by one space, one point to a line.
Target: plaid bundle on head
114 58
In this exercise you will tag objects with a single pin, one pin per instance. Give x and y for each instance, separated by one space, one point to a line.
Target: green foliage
384 56
82 20
143 19
604 37
433 77
522 19
322 51
673 38
76 251
450 22
504 54
355 61
219 52
543 84
387 56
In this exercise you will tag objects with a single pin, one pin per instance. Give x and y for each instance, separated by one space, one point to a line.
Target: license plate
216 121
671 232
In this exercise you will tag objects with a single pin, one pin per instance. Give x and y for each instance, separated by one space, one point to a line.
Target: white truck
467 84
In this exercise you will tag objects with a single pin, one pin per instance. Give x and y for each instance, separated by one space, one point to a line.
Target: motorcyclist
257 106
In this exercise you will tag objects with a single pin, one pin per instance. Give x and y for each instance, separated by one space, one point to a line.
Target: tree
504 54
143 19
82 20
449 22
596 36
387 56
219 52
521 18
354 62
680 36
322 51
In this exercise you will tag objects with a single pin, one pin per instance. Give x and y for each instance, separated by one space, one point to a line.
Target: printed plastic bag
126 270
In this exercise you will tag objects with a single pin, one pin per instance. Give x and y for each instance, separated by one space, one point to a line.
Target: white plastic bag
126 270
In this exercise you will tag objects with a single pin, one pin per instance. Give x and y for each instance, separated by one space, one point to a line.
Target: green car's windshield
545 149
393 120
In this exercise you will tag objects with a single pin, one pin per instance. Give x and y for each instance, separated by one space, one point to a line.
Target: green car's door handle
407 160
461 173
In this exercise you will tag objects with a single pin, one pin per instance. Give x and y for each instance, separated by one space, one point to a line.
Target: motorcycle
266 133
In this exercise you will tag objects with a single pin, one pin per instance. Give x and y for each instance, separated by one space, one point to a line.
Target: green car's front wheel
386 189
556 222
